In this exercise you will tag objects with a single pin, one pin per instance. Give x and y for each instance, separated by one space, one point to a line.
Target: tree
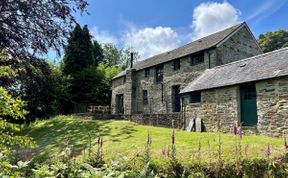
28 27
121 57
273 40
10 107
78 53
111 54
97 52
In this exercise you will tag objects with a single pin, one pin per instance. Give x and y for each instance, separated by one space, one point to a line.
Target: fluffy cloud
212 17
103 36
151 41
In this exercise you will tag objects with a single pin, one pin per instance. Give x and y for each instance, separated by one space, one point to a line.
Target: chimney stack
131 60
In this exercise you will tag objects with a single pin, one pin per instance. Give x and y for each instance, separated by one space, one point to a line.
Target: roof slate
195 46
264 66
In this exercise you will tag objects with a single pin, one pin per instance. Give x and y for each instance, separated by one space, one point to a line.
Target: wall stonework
160 120
219 109
238 46
272 106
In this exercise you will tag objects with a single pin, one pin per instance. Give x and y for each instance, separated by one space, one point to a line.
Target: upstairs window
159 73
147 72
197 58
176 64
195 97
145 97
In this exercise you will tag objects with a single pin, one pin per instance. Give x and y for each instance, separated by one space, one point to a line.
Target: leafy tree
120 57
12 108
273 40
111 54
30 26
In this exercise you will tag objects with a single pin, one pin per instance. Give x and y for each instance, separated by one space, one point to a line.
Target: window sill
195 104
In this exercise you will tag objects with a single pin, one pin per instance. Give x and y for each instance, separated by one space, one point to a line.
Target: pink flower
234 129
173 137
240 132
285 143
280 161
268 151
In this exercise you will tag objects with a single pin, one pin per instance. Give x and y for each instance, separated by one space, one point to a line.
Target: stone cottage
153 86
252 92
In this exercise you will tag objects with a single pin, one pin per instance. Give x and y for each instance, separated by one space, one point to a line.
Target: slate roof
195 46
264 66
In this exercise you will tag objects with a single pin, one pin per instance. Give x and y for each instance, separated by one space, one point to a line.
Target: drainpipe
209 60
131 60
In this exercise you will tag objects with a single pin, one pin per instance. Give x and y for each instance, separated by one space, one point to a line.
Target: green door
248 105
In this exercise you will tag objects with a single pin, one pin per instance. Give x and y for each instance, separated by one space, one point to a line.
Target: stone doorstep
249 130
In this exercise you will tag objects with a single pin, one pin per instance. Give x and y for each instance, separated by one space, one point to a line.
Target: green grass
122 138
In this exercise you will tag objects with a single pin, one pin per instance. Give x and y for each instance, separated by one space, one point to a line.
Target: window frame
147 72
197 95
197 58
159 72
176 64
145 97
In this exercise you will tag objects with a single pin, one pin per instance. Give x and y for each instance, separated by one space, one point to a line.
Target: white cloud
212 17
265 10
103 36
150 41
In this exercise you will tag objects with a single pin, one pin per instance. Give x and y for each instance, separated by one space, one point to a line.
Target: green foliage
273 40
120 57
97 52
79 51
12 108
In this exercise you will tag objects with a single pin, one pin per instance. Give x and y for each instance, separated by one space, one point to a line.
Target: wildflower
240 132
199 150
149 139
285 143
235 130
163 151
280 161
268 151
173 137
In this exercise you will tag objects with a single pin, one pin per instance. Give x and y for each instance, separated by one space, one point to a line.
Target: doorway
176 98
120 104
248 105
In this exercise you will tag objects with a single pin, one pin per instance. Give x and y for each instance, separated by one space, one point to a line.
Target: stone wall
239 46
160 120
272 105
171 78
219 108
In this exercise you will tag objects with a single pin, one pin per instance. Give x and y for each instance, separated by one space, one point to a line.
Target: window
147 72
195 97
176 64
159 73
145 97
197 58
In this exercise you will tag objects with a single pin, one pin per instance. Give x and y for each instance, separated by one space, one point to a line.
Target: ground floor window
195 97
145 97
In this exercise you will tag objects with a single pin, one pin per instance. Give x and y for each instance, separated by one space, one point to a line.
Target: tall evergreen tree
78 53
97 52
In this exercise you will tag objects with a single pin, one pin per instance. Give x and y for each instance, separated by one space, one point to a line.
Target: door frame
118 101
174 109
241 103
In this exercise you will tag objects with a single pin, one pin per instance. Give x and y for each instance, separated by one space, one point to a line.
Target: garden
67 146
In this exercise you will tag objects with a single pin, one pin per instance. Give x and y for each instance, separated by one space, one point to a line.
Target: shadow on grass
50 137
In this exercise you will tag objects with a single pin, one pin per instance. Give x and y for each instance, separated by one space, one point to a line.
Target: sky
155 26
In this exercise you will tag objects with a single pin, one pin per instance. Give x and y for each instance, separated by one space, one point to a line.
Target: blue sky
155 26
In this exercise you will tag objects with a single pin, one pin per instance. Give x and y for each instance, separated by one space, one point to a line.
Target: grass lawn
123 138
